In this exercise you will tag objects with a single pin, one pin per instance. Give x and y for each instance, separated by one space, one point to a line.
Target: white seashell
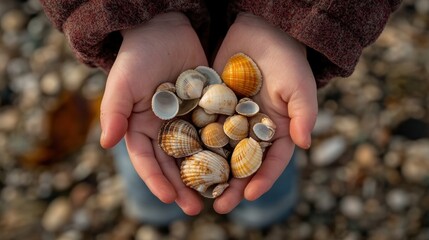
165 104
200 118
203 170
236 127
190 84
219 99
178 138
246 158
247 107
262 127
213 135
211 75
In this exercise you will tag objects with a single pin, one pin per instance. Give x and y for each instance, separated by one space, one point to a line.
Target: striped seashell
178 138
246 158
218 99
242 75
204 170
213 135
236 127
190 84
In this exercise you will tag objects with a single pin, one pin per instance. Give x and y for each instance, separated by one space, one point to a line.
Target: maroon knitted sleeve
92 26
335 31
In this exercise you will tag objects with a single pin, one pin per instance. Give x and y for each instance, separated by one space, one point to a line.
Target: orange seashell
242 75
246 158
213 136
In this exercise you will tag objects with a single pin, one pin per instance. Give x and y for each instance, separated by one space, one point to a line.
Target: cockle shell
165 104
242 75
246 158
262 127
186 106
247 107
205 169
236 127
211 75
166 86
200 118
213 135
190 84
219 99
178 138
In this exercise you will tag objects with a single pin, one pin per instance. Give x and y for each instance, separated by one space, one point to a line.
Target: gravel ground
365 177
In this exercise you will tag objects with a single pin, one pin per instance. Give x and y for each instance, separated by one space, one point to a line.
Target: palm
150 54
288 96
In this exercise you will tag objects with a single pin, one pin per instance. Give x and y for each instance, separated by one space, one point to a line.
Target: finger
232 196
144 161
275 162
116 107
187 199
302 109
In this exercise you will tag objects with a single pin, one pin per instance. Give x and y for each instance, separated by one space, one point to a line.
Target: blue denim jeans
274 206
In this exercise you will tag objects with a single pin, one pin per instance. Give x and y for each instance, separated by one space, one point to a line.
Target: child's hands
150 54
288 96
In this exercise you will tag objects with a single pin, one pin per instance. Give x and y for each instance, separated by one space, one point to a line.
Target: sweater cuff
335 32
92 28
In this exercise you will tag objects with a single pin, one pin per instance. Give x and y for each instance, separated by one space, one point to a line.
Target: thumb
302 109
116 107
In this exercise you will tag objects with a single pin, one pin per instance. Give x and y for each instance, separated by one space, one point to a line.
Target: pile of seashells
219 145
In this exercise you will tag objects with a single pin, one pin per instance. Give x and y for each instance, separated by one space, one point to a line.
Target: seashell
213 136
219 99
236 127
166 86
246 158
242 75
221 151
190 84
200 118
178 138
203 170
247 107
265 145
186 106
262 127
165 104
211 75
233 143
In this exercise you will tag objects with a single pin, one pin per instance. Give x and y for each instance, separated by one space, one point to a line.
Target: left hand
288 96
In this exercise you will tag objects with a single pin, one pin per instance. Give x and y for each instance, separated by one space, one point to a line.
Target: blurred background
366 175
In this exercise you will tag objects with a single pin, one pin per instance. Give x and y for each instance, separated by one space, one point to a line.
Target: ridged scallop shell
203 170
246 158
213 135
247 107
190 84
211 75
236 127
219 99
165 104
242 75
178 138
200 118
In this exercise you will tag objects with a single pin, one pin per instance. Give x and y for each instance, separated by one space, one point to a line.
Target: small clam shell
246 158
219 99
165 104
213 136
190 84
242 75
166 86
236 127
205 169
186 106
200 118
262 127
178 138
211 75
247 107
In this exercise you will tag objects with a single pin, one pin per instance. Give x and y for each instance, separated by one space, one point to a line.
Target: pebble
9 118
208 231
50 83
328 151
324 123
148 233
351 207
398 199
57 214
366 156
13 21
